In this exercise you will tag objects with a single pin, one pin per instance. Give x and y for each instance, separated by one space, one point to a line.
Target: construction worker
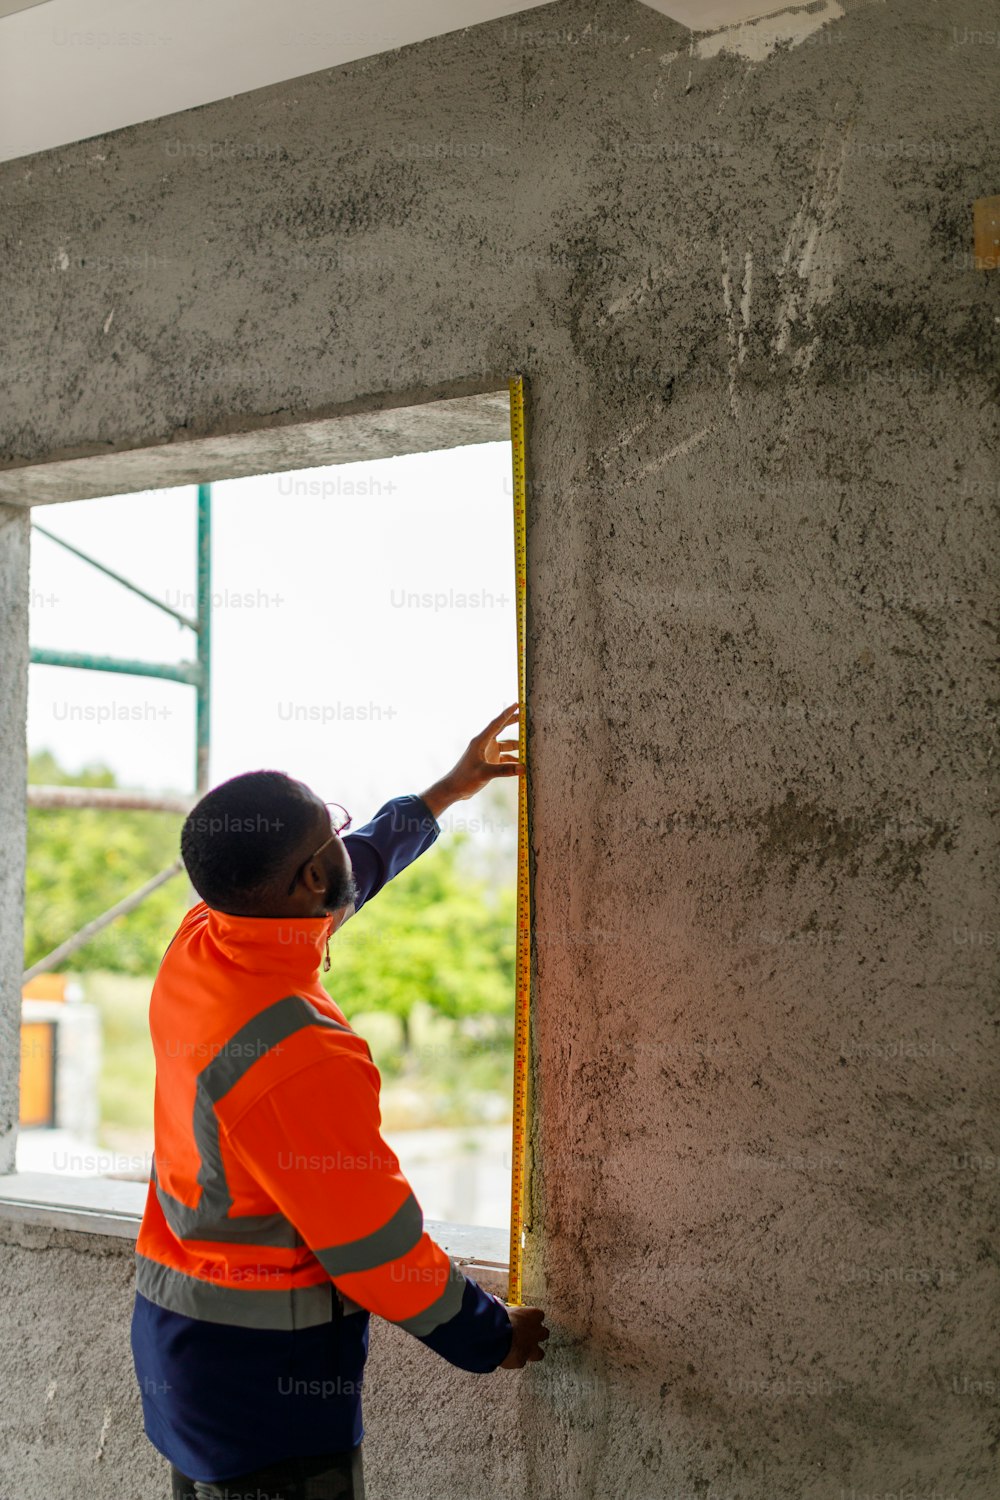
277 1218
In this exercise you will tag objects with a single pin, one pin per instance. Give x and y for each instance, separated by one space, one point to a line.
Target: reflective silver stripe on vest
241 1307
396 1237
272 1230
446 1306
213 1219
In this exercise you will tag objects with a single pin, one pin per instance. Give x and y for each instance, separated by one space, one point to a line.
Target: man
277 1217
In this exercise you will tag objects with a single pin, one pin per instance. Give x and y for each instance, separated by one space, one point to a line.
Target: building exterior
763 432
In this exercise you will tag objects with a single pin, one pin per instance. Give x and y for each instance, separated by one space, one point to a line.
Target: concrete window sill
101 1205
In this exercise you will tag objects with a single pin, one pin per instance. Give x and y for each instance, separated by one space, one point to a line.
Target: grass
128 1071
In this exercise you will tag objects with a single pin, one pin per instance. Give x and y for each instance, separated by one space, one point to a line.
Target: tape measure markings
523 932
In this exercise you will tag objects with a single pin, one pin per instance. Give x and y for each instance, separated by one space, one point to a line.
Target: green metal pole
182 672
203 709
110 573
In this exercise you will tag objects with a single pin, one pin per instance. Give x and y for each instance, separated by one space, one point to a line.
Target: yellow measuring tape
523 940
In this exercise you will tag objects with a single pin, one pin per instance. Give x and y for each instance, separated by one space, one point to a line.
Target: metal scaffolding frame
196 674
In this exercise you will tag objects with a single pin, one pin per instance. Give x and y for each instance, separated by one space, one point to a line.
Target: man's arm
398 833
487 757
314 1143
405 827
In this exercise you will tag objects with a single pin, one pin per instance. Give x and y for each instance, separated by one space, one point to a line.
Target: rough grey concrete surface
14 595
763 441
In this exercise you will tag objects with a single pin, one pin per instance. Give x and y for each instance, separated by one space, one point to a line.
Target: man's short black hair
236 839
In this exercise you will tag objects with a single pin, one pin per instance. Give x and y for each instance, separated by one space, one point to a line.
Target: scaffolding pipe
118 577
120 909
196 674
184 671
50 798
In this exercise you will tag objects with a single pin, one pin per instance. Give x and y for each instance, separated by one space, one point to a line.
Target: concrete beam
370 428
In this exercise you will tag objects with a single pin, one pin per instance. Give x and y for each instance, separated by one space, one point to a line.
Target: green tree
82 860
440 934
434 935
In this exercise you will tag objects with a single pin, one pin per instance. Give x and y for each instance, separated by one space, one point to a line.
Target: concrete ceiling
71 69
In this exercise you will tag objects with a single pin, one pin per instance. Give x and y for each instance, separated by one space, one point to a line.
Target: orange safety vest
272 1190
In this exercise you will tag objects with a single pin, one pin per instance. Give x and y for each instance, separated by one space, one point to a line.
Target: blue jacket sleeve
400 831
478 1337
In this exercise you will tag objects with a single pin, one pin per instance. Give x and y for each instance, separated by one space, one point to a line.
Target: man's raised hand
486 757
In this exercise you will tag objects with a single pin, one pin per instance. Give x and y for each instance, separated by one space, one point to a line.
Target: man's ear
314 879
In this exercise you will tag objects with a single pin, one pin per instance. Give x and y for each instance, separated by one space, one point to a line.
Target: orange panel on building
38 1072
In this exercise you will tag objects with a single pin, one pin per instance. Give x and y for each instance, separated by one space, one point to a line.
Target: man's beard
342 891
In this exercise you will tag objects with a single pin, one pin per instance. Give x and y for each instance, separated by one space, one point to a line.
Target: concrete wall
14 550
764 435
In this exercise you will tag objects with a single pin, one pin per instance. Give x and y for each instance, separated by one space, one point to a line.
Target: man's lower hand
529 1334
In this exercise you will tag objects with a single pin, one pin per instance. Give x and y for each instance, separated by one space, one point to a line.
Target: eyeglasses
339 826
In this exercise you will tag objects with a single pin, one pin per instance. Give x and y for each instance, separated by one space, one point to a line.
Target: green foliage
81 861
435 935
440 935
448 1076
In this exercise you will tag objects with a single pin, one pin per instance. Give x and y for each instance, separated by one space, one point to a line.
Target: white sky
310 571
